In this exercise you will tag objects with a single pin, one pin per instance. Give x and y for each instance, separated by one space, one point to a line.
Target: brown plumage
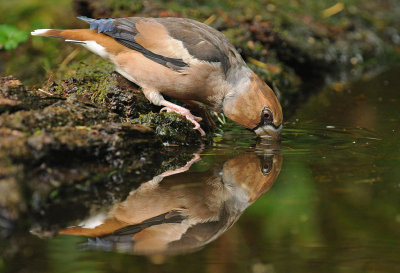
182 59
184 211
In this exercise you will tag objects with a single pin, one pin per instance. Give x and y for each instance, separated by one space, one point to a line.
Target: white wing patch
93 221
92 46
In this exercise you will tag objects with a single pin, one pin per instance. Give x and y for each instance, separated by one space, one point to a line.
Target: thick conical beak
269 131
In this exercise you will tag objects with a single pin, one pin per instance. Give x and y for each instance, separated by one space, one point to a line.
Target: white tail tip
39 32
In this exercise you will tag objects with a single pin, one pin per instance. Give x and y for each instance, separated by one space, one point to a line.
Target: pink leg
171 107
182 169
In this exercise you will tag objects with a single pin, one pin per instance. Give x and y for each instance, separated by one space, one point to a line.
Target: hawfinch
181 212
183 59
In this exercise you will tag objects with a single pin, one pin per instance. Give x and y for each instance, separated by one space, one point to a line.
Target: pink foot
170 107
196 157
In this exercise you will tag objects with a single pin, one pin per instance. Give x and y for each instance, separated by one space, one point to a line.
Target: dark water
334 207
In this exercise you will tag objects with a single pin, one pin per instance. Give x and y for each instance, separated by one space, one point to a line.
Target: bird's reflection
181 212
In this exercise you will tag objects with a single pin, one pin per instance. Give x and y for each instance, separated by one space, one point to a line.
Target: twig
210 19
46 92
338 7
69 58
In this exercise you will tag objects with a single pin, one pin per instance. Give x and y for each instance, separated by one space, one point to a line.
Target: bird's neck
239 80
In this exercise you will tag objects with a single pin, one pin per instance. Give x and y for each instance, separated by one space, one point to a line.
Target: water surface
334 206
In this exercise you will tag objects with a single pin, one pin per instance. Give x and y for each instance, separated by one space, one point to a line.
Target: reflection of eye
266 166
266 169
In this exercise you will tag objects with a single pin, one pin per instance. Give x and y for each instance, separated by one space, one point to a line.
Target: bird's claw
183 113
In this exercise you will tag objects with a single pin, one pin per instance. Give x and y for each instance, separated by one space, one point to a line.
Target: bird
183 59
180 212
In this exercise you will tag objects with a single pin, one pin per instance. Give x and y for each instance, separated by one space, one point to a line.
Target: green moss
57 115
123 6
91 78
172 128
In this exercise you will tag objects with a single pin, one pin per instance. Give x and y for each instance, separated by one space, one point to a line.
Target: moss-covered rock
14 96
56 146
171 127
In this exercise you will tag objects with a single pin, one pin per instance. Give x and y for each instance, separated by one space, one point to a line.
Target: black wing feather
203 42
124 31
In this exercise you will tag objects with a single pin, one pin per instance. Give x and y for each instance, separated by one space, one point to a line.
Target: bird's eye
267 115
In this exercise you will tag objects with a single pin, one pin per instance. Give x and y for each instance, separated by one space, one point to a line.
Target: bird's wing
201 41
172 42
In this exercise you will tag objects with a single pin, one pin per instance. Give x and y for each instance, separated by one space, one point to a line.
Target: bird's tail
70 35
98 43
47 33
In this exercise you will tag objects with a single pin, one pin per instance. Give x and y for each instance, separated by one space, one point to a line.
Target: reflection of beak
269 131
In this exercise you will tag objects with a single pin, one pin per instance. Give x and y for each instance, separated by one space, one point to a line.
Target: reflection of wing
125 235
166 218
183 212
169 238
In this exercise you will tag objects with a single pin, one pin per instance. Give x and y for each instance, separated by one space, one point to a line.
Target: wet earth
325 199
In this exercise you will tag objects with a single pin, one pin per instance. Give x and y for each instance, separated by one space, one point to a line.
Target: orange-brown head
256 108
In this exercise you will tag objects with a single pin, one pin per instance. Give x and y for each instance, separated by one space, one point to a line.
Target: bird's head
256 108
